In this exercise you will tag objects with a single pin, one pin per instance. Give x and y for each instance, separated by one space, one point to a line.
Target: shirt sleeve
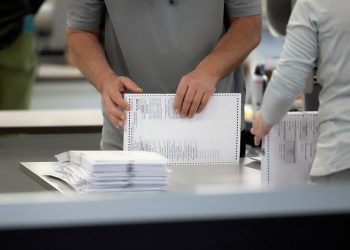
239 8
298 59
85 14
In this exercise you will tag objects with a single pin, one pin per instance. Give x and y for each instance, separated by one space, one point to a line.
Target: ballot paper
210 137
289 150
103 171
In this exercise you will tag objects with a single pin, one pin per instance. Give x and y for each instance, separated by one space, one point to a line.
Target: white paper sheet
289 150
212 136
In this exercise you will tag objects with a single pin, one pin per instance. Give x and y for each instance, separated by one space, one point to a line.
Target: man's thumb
132 86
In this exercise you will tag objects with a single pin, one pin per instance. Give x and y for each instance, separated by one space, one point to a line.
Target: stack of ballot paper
103 171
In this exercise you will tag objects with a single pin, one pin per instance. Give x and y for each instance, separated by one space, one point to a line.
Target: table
206 207
203 178
241 219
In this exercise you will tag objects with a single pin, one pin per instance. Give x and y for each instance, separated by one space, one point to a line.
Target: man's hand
193 92
260 128
112 89
198 86
90 57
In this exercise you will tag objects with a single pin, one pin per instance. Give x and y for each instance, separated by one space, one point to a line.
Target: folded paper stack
108 171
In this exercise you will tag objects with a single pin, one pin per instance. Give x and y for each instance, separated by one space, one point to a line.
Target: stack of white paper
102 171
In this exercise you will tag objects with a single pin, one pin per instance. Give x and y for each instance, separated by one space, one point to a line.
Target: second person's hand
260 128
114 104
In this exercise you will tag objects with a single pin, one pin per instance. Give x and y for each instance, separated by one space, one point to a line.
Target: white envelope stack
108 171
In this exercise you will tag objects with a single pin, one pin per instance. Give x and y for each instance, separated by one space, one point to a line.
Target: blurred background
59 84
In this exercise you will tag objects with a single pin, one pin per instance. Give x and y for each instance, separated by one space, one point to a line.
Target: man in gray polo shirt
189 47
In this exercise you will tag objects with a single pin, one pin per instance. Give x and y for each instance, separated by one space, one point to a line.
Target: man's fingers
179 97
118 100
130 85
195 104
187 102
116 116
204 101
115 110
116 121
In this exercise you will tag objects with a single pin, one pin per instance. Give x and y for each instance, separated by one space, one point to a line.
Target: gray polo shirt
155 43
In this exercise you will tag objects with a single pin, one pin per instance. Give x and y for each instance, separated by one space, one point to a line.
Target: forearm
276 104
242 37
298 59
89 56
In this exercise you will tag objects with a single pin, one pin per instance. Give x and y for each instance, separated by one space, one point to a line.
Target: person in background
192 48
17 52
318 34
